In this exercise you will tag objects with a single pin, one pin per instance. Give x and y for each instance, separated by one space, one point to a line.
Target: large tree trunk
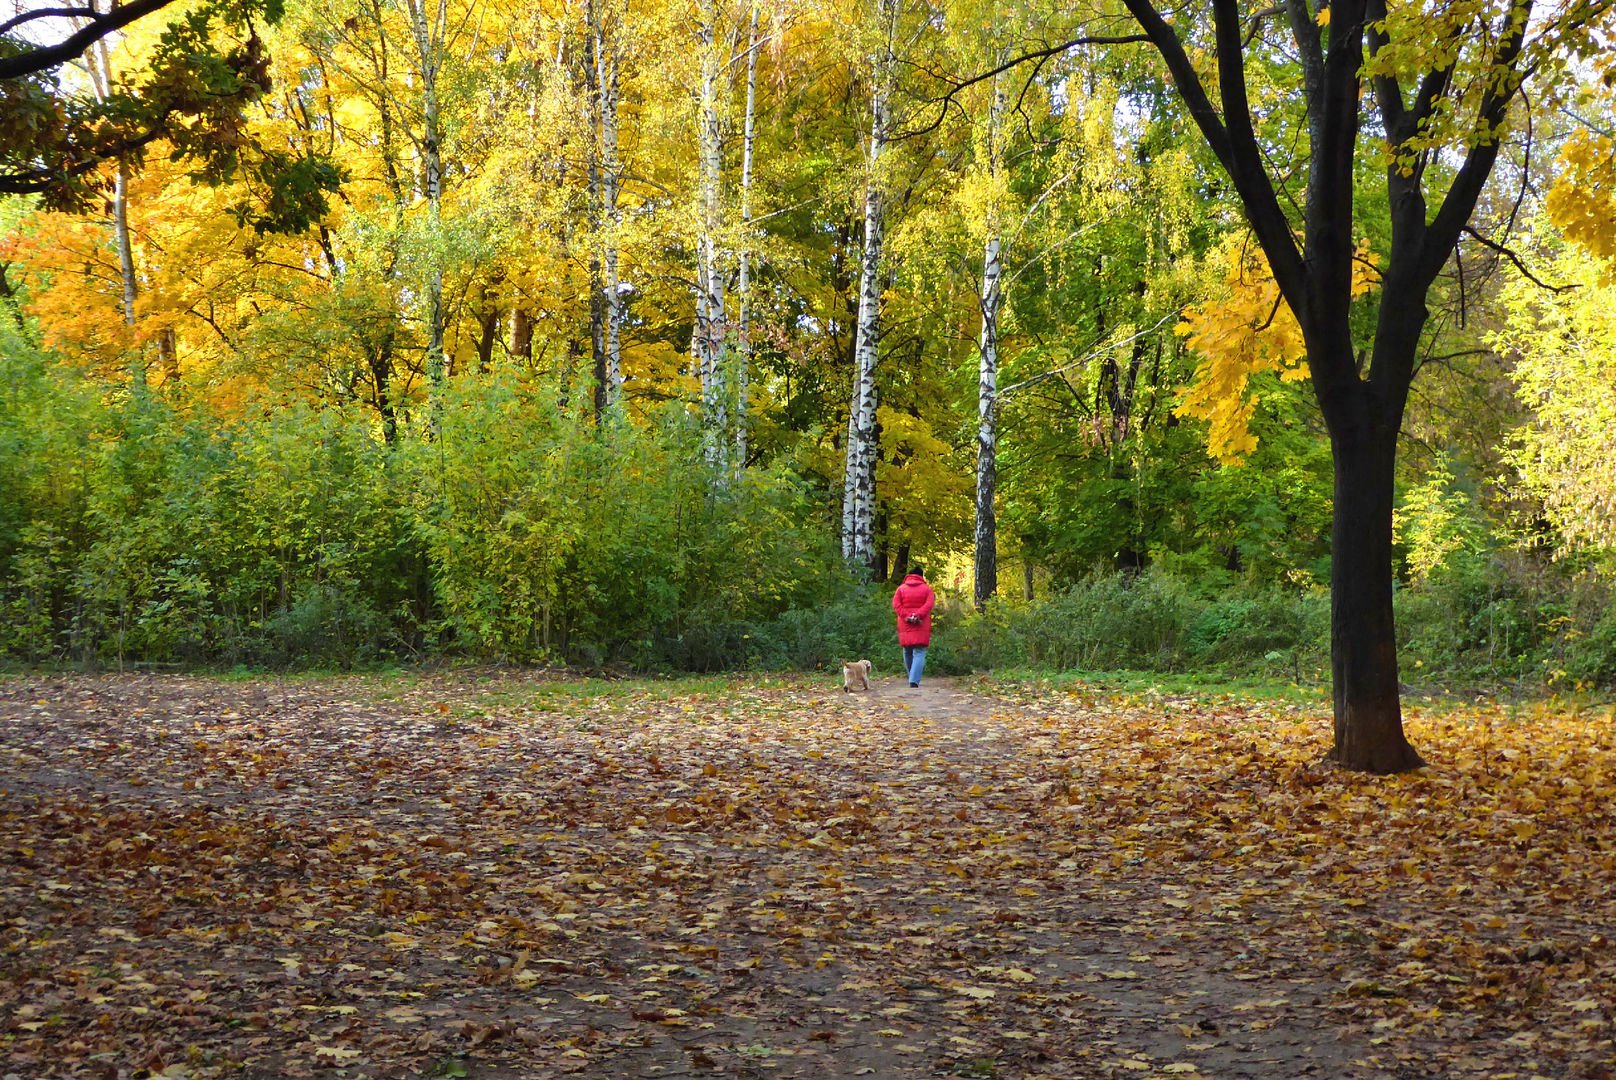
1363 639
858 477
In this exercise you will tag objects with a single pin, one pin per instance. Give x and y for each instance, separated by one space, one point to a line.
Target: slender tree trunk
100 70
987 434
488 333
381 371
429 47
858 483
707 340
600 76
522 335
986 539
743 287
611 182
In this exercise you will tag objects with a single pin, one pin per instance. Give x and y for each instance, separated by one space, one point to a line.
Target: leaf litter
503 875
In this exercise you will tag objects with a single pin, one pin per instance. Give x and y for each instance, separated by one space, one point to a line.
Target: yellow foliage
1250 330
1582 202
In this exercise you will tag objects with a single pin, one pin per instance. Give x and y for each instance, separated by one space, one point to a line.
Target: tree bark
708 337
1363 641
522 335
743 285
605 181
429 44
987 436
985 539
100 70
858 478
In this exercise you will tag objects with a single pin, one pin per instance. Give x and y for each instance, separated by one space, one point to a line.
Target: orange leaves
917 885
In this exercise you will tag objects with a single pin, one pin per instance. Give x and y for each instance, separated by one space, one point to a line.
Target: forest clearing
510 875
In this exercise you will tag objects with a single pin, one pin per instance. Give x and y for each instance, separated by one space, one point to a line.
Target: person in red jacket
912 604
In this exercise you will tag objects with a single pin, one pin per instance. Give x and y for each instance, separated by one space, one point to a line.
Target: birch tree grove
858 484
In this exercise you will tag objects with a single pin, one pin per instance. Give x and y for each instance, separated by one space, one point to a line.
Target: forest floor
505 875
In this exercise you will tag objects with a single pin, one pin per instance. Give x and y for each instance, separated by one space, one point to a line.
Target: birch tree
707 338
743 283
430 30
98 64
602 56
985 534
858 482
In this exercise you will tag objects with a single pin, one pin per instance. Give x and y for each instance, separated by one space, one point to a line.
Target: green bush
1111 621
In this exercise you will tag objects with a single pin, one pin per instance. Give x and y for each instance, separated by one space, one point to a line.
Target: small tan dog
855 673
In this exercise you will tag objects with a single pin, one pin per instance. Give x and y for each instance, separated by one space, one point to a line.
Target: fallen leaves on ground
507 876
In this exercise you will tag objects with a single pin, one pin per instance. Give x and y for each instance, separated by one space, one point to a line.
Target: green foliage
549 539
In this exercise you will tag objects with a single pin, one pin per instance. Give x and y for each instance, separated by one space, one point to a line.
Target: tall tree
606 180
1438 85
985 539
743 279
858 480
707 338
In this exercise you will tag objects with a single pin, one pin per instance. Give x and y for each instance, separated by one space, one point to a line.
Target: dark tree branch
1305 30
1515 259
1040 56
1463 194
71 47
45 13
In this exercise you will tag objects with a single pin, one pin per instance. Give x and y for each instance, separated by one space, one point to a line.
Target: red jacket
914 597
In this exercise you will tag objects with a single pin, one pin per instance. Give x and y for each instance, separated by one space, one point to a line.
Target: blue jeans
914 661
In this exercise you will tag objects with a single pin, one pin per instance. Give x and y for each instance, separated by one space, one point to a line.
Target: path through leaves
508 876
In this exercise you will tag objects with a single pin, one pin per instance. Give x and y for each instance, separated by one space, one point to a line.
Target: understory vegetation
133 534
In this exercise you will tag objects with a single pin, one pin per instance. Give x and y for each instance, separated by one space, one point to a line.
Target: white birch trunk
986 533
100 70
858 483
987 406
707 340
611 185
743 286
605 58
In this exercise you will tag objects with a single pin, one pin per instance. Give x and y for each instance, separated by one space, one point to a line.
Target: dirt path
343 879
